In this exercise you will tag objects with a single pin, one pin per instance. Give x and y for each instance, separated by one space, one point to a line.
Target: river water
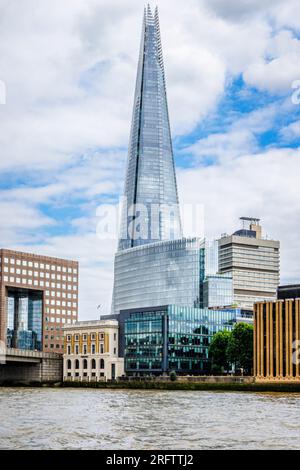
161 420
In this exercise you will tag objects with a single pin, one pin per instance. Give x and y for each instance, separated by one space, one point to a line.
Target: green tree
240 346
218 351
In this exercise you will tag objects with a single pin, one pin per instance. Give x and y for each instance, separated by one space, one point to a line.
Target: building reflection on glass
24 319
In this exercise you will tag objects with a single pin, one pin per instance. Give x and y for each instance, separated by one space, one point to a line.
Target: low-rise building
277 340
158 340
91 351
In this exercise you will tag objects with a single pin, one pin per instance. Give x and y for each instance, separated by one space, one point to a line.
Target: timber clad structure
276 340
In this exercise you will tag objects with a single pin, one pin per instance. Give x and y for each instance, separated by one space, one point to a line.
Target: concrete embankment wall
48 370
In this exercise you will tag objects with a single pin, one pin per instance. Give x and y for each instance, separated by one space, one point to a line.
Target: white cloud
264 185
279 68
69 69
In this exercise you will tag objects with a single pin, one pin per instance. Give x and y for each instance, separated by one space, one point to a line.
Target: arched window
69 364
93 364
85 364
102 365
77 364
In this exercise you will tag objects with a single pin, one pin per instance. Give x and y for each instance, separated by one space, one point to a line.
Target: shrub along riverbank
284 387
160 385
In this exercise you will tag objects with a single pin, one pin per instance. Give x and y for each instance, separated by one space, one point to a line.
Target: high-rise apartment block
38 295
252 261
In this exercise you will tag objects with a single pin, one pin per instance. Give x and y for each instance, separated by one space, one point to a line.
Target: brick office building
38 296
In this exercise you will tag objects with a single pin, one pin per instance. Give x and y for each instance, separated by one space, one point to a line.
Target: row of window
92 335
85 349
32 264
63 320
41 274
84 364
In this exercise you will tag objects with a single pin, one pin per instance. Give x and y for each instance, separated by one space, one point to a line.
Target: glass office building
218 291
159 274
24 319
158 340
150 209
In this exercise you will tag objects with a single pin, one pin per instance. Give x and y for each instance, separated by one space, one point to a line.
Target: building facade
277 340
91 351
161 339
38 296
151 248
288 292
150 209
253 262
159 274
217 291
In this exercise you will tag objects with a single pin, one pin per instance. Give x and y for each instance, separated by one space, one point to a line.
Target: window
101 348
77 364
115 336
84 349
69 349
102 364
93 364
76 349
85 364
93 349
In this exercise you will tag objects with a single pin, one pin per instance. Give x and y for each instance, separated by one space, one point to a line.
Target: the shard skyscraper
154 265
150 209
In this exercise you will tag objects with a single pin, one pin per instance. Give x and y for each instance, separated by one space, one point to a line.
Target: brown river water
159 420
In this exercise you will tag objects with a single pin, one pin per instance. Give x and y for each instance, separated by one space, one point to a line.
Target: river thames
36 418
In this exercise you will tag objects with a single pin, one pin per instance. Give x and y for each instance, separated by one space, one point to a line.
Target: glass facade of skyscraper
24 319
151 211
159 274
171 338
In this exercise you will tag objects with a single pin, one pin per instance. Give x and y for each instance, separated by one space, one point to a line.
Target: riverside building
277 339
252 261
91 351
157 340
38 296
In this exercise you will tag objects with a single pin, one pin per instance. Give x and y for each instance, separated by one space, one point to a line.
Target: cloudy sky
69 70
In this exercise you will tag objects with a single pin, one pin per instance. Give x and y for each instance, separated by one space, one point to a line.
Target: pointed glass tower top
150 210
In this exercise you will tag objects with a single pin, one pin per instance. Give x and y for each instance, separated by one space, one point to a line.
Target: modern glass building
158 340
218 291
24 319
150 209
159 274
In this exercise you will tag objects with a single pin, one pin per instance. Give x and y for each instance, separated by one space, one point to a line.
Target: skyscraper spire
150 211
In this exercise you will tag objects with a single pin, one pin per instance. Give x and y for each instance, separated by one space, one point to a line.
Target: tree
173 376
218 351
240 346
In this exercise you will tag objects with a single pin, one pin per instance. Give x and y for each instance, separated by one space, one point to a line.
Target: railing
29 353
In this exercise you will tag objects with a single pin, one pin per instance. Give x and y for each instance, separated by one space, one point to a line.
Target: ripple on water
137 419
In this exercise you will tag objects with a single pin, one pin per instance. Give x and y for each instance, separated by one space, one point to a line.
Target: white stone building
91 351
